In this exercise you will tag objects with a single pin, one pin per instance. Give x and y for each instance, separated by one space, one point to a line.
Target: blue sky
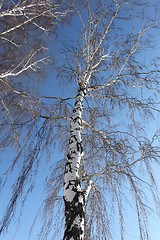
33 203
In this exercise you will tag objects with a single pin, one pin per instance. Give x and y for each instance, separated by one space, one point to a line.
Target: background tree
25 27
110 154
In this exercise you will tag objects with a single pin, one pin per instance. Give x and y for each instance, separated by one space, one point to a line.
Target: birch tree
105 76
24 33
25 27
110 155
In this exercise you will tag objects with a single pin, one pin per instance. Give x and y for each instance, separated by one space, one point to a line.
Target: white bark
73 194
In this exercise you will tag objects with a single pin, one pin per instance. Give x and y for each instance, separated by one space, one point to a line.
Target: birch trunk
74 197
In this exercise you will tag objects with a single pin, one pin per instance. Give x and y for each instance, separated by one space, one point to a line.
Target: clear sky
20 230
